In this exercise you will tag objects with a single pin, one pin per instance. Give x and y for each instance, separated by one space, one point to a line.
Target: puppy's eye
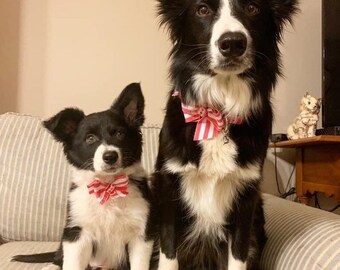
91 139
203 11
252 9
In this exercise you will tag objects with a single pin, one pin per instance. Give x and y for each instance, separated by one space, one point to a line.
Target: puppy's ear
64 125
172 14
284 10
130 104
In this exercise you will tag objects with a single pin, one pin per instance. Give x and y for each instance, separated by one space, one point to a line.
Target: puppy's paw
51 267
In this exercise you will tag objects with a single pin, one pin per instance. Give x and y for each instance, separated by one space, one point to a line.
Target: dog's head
226 36
103 142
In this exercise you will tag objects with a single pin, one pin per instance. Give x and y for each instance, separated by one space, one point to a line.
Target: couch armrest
300 237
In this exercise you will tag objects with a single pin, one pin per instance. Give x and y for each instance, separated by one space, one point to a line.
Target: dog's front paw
51 267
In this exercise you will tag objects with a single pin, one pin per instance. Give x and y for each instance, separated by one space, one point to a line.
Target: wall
9 54
302 62
97 49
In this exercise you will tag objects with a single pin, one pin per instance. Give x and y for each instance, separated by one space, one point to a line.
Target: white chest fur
210 189
112 225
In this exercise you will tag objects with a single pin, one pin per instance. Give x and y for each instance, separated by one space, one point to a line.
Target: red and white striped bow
104 191
209 120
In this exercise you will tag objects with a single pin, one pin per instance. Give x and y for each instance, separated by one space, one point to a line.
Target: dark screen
331 63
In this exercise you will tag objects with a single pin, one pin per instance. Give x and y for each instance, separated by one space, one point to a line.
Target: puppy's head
104 142
225 36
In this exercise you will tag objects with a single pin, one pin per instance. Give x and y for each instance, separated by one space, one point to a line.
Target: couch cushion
300 237
33 181
150 147
7 251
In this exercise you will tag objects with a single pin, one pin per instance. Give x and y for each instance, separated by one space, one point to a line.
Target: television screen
331 63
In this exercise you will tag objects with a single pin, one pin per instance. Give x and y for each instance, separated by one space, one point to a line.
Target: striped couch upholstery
34 181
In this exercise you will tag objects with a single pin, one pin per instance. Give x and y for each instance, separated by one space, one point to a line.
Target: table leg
302 196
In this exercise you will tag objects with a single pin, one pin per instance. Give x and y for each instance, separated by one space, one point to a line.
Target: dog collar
104 191
209 120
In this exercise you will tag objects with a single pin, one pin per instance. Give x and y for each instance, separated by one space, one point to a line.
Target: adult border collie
214 139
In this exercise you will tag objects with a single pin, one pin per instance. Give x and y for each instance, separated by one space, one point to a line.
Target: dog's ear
64 125
284 10
171 14
130 104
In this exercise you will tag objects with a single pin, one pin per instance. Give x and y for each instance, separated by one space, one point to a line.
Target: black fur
191 36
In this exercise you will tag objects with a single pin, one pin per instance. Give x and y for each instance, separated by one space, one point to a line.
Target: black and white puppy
109 201
214 139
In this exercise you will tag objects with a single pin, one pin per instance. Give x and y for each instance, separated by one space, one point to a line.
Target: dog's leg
140 254
77 250
239 239
235 263
168 210
167 263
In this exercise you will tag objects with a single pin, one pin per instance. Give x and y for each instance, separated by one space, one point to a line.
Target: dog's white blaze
210 189
234 264
113 224
98 162
225 23
167 264
232 93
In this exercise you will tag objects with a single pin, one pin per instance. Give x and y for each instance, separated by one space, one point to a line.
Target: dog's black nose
110 157
232 44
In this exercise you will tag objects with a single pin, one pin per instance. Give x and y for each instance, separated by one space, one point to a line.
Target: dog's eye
120 134
252 9
203 11
91 139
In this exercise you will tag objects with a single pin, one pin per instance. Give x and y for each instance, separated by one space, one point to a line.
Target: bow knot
104 191
209 120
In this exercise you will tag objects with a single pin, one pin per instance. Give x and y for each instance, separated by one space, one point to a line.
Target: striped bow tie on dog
104 191
209 120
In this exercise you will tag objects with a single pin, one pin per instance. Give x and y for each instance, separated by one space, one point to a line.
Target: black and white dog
108 224
214 139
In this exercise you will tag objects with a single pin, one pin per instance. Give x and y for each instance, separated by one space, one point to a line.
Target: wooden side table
317 165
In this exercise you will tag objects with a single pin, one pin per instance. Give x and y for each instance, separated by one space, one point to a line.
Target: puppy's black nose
110 157
232 44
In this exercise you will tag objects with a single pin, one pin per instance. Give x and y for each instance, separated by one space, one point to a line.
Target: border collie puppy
109 201
214 139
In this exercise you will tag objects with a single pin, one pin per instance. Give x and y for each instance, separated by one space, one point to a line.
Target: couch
34 182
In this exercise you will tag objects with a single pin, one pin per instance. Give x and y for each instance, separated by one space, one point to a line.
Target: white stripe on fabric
299 236
33 168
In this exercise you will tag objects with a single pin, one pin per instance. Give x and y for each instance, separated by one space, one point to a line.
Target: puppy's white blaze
77 254
234 264
232 93
225 23
140 254
98 162
114 224
167 264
